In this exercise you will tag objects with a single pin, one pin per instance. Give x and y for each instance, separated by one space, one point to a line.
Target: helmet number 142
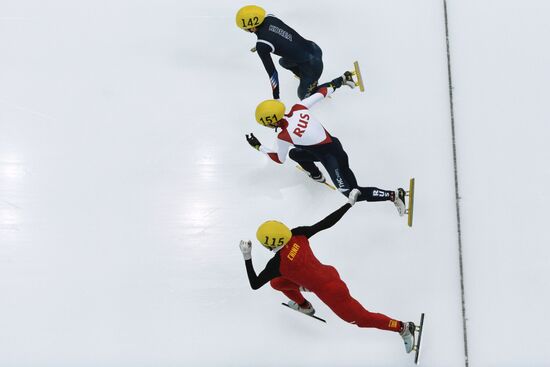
255 21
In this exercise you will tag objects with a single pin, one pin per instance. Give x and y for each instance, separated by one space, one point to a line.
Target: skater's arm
271 271
280 153
264 50
326 223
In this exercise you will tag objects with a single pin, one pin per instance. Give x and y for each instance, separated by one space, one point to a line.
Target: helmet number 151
268 119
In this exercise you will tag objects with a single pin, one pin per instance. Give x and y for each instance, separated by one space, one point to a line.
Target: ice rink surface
126 183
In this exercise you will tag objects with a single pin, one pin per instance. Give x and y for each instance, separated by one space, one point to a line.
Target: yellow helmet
273 234
269 112
250 16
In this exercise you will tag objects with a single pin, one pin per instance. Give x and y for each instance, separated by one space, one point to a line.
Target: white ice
126 183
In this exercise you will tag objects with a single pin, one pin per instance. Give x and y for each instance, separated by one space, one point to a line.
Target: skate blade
313 316
410 206
419 329
354 80
357 73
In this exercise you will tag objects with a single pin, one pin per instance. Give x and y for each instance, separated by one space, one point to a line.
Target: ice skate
408 335
318 178
348 79
399 201
307 308
353 195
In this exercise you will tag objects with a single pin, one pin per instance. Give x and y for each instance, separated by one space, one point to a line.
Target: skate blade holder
407 193
356 82
417 330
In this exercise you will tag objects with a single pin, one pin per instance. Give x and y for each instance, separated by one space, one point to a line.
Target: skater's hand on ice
253 141
353 195
246 249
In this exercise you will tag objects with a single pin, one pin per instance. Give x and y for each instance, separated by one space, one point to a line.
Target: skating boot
319 178
408 335
348 79
399 201
353 195
306 307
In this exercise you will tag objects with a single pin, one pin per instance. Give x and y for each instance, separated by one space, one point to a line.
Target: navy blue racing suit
301 56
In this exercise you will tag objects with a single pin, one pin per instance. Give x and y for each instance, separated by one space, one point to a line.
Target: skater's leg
289 288
310 72
343 182
290 65
335 161
375 194
344 178
335 294
308 86
305 159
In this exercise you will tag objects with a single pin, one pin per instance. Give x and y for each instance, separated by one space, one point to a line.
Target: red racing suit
295 265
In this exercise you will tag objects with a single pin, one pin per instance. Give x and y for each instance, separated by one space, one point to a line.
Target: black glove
253 141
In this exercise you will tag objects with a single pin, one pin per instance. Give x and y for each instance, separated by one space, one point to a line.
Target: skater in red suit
294 268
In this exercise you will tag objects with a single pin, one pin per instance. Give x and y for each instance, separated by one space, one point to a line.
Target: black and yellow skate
405 206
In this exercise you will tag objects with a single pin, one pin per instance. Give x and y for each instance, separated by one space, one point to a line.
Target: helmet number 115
274 243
